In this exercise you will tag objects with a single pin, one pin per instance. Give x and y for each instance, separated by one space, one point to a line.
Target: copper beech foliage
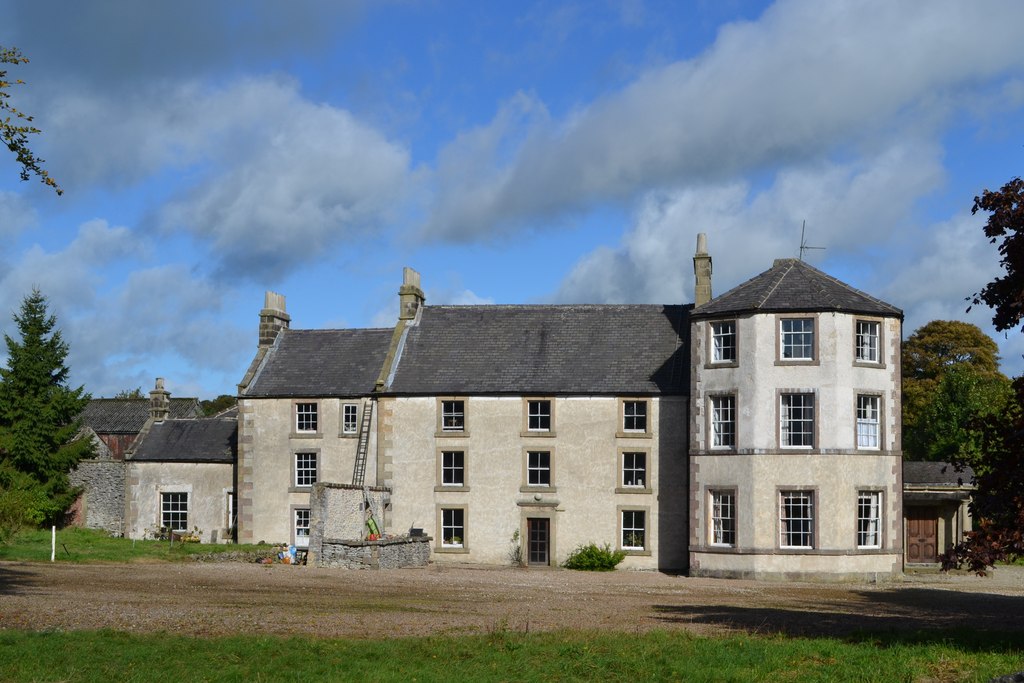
15 125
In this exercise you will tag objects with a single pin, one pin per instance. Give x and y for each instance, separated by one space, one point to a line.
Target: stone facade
102 502
208 487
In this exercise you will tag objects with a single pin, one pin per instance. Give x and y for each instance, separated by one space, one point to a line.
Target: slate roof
310 363
128 415
939 474
541 349
206 440
792 285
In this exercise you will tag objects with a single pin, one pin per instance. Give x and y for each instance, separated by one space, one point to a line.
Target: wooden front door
922 535
538 541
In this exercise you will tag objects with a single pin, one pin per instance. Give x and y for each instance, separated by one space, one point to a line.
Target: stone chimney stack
410 296
702 271
273 318
159 402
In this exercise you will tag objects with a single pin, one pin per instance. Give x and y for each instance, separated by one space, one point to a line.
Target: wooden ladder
359 469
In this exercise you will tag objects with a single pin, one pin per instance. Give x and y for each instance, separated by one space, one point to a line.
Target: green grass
91 545
507 656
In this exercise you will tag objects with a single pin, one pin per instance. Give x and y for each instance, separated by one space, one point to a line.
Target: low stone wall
388 553
102 499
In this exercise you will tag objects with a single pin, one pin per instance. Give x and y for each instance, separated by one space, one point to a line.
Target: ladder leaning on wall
359 469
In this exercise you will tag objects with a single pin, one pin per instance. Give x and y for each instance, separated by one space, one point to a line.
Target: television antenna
803 241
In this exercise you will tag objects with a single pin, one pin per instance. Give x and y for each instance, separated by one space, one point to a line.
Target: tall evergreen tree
39 426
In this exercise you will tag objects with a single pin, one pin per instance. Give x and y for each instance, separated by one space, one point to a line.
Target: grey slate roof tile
919 472
310 363
792 285
539 349
128 415
206 440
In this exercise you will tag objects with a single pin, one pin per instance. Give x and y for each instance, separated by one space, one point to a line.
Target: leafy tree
929 354
15 133
1005 294
39 429
219 404
130 393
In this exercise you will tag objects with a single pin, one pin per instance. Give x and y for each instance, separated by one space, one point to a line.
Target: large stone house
752 434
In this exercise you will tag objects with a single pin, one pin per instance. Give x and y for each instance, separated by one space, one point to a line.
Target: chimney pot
273 318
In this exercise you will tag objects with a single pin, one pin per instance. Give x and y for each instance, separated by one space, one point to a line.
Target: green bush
591 558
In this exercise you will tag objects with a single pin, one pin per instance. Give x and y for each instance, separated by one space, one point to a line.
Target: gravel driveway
230 598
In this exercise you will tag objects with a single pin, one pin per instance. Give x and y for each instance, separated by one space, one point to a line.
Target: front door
922 535
538 540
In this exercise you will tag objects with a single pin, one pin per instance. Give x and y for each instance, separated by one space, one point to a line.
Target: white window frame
453 527
796 519
723 421
300 526
230 511
633 526
631 415
307 417
538 415
453 415
174 504
634 475
723 341
538 468
722 505
868 343
796 335
869 519
797 420
349 418
869 428
305 463
453 473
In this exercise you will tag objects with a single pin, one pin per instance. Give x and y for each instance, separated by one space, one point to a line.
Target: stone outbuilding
936 500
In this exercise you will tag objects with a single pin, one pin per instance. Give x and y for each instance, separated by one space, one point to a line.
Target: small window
305 469
723 518
453 416
634 469
453 468
538 416
797 341
867 421
301 527
867 342
723 342
634 416
797 420
723 421
634 530
349 418
174 510
453 529
869 519
796 519
538 468
306 417
231 511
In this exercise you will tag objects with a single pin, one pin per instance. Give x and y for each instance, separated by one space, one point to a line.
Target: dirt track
213 599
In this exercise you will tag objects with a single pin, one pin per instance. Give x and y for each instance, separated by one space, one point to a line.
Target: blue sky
510 152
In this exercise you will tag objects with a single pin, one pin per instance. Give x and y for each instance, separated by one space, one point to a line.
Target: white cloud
808 79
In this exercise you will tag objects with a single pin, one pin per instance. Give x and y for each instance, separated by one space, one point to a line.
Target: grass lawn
507 656
92 545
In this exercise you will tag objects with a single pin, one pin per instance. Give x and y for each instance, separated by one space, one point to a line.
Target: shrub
594 559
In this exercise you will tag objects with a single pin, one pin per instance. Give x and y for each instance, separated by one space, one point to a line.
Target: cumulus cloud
805 80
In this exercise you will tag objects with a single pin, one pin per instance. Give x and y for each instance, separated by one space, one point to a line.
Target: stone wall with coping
102 500
338 511
389 553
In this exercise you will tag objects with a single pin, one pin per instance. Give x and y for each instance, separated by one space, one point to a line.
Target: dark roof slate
128 415
546 349
792 285
206 440
917 472
322 363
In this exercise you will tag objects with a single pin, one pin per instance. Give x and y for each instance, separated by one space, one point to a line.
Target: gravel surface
232 598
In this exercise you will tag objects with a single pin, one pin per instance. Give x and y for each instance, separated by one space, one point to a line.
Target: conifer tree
39 426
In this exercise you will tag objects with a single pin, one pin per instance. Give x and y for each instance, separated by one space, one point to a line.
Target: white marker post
53 543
